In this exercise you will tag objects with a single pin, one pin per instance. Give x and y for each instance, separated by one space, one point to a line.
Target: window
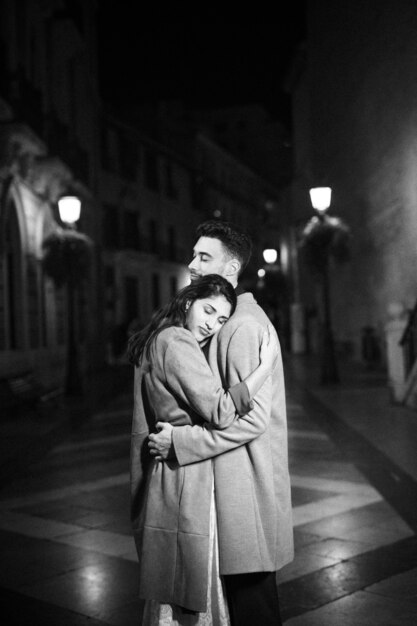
109 149
198 192
153 239
109 282
131 230
172 248
156 301
151 170
111 227
171 189
173 285
131 298
129 157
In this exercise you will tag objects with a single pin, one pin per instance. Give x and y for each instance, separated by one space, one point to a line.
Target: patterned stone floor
68 557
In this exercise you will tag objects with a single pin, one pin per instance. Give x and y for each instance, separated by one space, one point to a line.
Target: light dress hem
217 614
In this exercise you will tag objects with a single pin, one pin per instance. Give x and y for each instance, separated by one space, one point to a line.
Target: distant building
252 136
157 185
146 195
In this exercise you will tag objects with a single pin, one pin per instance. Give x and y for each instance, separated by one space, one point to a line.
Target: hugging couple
210 487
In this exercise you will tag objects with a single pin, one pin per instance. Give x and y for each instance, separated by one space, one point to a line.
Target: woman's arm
198 442
190 378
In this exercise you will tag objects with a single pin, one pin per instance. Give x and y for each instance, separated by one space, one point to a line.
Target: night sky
202 63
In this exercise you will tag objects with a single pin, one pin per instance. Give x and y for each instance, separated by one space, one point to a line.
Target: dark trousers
253 599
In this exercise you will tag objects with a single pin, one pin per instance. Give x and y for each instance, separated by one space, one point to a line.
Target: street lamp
69 211
273 288
67 258
270 255
320 200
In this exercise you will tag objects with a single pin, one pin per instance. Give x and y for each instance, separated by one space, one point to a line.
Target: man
250 460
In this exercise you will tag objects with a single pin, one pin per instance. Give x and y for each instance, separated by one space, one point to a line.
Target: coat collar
245 297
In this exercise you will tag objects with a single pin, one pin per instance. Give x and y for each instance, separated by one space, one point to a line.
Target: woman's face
205 317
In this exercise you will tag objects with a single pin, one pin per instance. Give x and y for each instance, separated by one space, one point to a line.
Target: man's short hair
235 240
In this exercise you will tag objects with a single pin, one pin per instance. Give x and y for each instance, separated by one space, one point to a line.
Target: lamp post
320 200
69 211
272 287
66 260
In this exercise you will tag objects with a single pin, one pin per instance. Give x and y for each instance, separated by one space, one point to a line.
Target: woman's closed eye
207 315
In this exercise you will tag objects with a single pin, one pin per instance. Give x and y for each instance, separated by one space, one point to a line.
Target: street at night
69 557
208 315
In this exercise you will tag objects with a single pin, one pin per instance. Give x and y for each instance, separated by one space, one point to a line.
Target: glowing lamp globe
321 198
69 209
270 255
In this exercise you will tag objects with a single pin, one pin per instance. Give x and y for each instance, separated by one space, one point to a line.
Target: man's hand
160 443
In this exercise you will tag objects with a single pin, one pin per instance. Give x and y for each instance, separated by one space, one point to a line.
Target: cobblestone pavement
68 555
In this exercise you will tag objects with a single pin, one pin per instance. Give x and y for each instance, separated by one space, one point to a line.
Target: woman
173 507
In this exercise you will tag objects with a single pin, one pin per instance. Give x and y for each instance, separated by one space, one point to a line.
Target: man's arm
188 444
198 442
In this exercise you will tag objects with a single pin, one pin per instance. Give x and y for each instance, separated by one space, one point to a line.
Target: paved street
68 557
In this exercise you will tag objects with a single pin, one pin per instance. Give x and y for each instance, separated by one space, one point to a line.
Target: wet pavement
68 556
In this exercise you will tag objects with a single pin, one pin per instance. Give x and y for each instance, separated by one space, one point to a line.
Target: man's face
209 257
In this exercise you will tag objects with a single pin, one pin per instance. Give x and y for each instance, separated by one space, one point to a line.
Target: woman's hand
269 349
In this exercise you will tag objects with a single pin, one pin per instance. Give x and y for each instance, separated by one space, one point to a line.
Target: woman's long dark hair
174 313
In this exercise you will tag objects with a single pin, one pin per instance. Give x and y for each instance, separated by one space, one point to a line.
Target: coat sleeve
195 443
189 376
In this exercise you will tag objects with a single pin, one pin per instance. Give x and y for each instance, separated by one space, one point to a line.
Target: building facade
252 136
144 186
48 147
354 109
156 187
146 206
